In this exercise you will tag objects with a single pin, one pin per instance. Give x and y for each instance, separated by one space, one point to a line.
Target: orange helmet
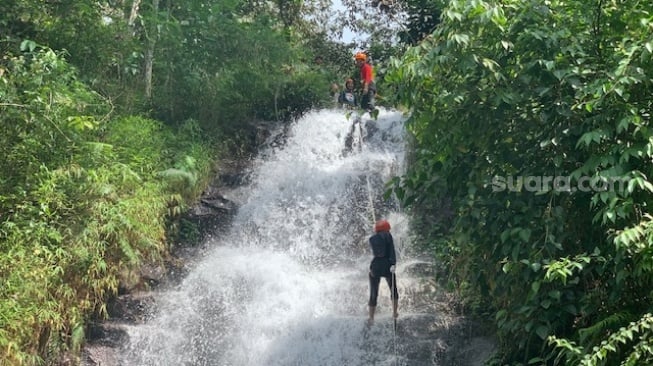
360 56
381 225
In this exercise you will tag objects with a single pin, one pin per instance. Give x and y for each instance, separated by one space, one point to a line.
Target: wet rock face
132 308
96 355
431 331
104 339
214 209
108 334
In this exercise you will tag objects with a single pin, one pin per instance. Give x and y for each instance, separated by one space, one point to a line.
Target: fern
180 181
639 331
600 328
175 176
633 239
632 343
642 352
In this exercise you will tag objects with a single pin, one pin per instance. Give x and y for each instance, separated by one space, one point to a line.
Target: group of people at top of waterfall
382 265
348 96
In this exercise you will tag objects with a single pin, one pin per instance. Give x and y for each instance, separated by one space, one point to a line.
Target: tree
422 16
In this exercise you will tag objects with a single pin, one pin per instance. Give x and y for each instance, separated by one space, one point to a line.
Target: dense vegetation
508 89
83 200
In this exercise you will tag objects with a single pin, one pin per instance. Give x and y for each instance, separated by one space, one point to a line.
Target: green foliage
507 89
223 68
220 64
45 113
93 35
422 16
81 202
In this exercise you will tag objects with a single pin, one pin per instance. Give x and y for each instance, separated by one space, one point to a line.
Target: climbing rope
393 283
360 134
392 276
370 199
394 328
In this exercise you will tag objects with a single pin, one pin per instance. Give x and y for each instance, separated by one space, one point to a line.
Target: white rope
370 200
392 275
394 320
393 284
360 134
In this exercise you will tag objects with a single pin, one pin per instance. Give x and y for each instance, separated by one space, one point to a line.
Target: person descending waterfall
383 265
348 100
368 87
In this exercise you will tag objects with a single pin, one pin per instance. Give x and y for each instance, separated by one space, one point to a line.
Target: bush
82 203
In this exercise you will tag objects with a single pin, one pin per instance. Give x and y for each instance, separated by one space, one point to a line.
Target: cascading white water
287 284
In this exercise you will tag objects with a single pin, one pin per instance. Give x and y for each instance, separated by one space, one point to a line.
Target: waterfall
287 283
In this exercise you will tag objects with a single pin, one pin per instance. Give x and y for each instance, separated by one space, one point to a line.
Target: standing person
368 87
383 265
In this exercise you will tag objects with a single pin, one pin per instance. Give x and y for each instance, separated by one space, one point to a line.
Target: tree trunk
152 35
134 13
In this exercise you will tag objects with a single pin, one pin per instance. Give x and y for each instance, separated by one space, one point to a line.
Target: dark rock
132 308
233 179
107 334
98 355
219 203
153 274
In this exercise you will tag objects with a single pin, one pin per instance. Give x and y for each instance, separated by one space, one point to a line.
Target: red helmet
360 56
381 225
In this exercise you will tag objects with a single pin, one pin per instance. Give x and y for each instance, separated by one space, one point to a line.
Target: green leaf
571 309
546 303
542 331
28 45
506 267
555 294
460 39
649 47
535 286
588 137
505 235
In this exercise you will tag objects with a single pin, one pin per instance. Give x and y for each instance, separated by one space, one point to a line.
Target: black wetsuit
348 98
383 249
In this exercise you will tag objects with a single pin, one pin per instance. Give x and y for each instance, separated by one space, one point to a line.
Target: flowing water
287 283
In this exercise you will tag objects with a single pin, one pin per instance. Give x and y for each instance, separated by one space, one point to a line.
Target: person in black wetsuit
383 265
347 97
